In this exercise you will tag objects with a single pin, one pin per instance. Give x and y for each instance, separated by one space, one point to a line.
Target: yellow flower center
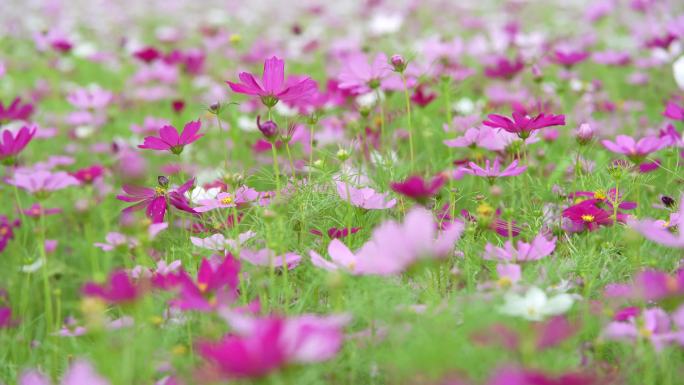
160 190
4 230
227 200
202 287
588 218
671 284
485 210
600 195
504 282
645 332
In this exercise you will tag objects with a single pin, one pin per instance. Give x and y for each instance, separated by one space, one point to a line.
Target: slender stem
382 115
276 169
46 278
408 114
311 149
289 157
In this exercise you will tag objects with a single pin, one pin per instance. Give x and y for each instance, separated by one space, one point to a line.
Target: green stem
408 114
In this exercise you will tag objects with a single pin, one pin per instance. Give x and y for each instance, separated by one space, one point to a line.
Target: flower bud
163 181
398 63
269 128
584 134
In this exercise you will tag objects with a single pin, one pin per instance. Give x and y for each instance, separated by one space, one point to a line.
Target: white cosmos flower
535 305
199 194
678 71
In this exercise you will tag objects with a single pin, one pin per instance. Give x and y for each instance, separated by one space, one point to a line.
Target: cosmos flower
586 216
359 76
365 198
504 68
223 200
569 58
41 183
539 248
120 289
11 145
169 140
6 231
674 111
523 125
535 304
635 150
156 200
273 86
267 257
654 325
483 137
260 346
660 232
216 285
89 174
415 187
114 240
393 247
494 171
219 242
17 110
80 372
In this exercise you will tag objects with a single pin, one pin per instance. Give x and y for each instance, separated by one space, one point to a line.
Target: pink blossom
365 198
539 248
156 200
17 110
635 150
359 76
11 145
114 240
655 326
120 288
494 171
81 372
267 257
273 86
216 285
169 140
523 125
41 182
417 188
220 242
483 137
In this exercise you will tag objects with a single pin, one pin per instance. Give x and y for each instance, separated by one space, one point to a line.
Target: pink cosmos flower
660 232
523 125
336 233
81 372
273 86
493 172
483 137
223 200
539 248
5 317
393 247
156 200
92 98
267 257
114 240
520 376
417 188
263 345
15 111
41 182
636 151
359 76
365 198
216 285
674 111
655 325
36 210
11 145
120 289
169 140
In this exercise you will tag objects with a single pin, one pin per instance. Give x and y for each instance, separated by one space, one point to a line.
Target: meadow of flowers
424 192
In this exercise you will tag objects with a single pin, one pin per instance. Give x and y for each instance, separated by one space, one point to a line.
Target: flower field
358 192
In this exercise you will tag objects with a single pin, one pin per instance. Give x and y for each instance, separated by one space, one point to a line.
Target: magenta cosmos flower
539 248
523 125
273 86
120 288
156 200
6 231
11 145
568 58
494 171
41 183
674 111
586 216
216 285
169 140
635 150
15 111
260 346
504 68
415 187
